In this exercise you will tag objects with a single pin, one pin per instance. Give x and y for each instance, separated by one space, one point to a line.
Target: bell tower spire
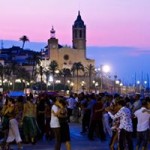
52 44
52 32
79 33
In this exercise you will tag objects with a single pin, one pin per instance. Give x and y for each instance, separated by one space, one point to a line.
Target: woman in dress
13 133
64 126
29 127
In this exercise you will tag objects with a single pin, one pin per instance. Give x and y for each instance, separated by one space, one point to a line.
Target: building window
66 57
75 33
80 34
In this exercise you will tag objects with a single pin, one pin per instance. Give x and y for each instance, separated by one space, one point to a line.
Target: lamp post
115 77
83 85
145 86
96 85
117 82
41 75
102 72
138 86
121 85
71 86
105 70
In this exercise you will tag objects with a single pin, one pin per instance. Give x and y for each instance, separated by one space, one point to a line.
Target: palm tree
14 70
8 72
34 59
2 73
89 71
22 74
66 73
53 67
24 39
77 66
47 73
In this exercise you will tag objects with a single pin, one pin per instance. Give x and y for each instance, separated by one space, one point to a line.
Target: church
67 56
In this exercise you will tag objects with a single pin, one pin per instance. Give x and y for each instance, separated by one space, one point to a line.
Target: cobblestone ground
78 142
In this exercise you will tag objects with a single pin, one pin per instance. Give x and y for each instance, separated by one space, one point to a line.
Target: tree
22 74
34 59
89 71
14 71
47 73
8 72
65 73
77 66
2 73
24 39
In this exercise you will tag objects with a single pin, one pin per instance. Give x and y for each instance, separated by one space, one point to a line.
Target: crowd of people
27 119
122 118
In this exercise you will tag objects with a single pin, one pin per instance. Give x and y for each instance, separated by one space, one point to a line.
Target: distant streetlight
96 84
83 85
121 84
71 86
138 85
103 72
57 71
68 81
18 80
138 82
106 68
41 74
94 81
117 81
57 81
115 78
51 78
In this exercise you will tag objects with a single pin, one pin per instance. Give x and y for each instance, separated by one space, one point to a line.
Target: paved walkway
78 142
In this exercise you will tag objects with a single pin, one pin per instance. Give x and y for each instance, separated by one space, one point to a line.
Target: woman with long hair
13 133
64 126
29 127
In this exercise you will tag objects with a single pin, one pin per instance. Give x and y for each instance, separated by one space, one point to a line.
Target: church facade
67 56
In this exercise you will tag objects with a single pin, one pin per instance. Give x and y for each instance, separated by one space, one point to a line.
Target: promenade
78 142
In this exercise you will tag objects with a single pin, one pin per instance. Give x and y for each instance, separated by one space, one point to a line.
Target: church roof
79 23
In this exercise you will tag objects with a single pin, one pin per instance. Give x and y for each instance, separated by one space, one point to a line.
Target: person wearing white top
142 126
55 125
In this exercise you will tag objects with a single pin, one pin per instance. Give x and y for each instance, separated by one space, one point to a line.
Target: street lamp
106 68
94 81
71 86
41 74
96 85
115 78
138 86
68 81
83 85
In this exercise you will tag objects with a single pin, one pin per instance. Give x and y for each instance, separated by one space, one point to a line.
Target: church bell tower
79 33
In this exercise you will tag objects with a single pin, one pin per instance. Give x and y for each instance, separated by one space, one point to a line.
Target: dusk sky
110 23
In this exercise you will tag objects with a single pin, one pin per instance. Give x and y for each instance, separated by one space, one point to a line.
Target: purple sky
109 22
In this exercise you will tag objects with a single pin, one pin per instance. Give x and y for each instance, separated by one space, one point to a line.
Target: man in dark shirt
96 120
